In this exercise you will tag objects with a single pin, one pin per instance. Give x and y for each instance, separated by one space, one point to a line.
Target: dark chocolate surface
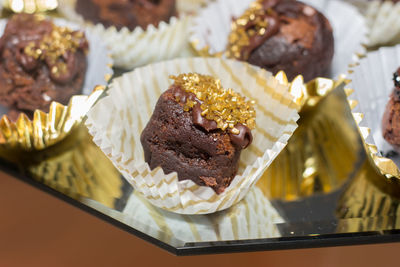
303 44
27 83
122 13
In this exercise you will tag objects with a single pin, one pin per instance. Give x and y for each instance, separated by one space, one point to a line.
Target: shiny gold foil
324 149
30 6
45 129
369 203
75 167
383 165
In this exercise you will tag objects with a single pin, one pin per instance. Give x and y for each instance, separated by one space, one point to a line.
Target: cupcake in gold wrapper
131 100
45 66
136 33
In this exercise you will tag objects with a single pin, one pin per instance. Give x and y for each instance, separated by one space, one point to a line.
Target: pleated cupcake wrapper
77 168
254 217
322 153
372 81
117 121
383 20
211 28
131 49
191 7
368 204
49 128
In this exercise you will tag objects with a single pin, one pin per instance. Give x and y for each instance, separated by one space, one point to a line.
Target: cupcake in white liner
372 81
116 123
138 47
45 129
211 28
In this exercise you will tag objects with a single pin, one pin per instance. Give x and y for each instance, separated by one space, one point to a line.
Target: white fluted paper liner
191 6
212 26
383 18
372 81
252 218
117 121
130 49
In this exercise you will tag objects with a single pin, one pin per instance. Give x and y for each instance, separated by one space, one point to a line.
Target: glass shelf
320 191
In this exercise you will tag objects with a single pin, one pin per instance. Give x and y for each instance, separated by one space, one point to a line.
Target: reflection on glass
326 188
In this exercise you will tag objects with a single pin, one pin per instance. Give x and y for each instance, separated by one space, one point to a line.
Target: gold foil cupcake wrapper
131 49
46 129
77 168
372 200
117 128
368 95
349 28
324 149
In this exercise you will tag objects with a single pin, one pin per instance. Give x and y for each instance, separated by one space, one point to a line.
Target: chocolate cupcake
391 117
40 63
199 129
283 35
130 14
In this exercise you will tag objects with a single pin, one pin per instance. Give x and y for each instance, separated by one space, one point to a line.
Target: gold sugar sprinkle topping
54 45
224 106
240 35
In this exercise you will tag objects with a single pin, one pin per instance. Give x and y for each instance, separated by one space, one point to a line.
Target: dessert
391 117
126 13
283 35
39 63
199 129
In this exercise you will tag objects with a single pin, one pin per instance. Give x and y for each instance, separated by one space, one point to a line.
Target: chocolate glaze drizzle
256 40
242 140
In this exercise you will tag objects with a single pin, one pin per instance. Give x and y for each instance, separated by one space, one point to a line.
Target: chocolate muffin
39 63
126 13
391 117
199 129
283 35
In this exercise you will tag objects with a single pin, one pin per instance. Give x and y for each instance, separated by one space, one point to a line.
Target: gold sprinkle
235 131
54 46
224 106
250 24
